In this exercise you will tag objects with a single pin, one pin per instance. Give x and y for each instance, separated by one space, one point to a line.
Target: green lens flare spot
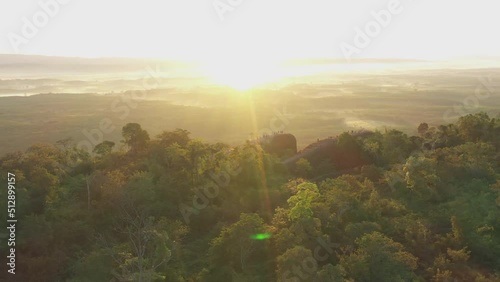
260 236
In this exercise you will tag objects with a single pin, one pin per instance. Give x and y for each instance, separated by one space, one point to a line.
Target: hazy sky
192 29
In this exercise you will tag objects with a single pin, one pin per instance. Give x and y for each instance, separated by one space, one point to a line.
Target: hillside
168 207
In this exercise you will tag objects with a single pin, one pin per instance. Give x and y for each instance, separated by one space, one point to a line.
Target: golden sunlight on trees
171 208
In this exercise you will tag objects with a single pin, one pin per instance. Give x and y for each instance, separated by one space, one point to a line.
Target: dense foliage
172 208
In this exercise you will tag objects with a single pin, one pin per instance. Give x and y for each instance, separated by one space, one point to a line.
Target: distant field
311 109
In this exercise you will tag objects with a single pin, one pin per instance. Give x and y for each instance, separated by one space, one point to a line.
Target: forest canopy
173 208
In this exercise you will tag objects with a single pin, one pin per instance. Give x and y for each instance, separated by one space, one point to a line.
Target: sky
258 30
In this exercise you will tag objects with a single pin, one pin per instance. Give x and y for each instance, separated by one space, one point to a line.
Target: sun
242 74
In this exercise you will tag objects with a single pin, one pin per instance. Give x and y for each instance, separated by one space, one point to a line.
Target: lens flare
260 236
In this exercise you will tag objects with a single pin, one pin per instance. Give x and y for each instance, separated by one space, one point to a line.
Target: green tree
290 265
475 127
134 136
379 258
422 129
300 203
421 177
303 168
179 136
235 246
104 148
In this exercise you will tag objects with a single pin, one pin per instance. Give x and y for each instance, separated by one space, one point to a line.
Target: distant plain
46 109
